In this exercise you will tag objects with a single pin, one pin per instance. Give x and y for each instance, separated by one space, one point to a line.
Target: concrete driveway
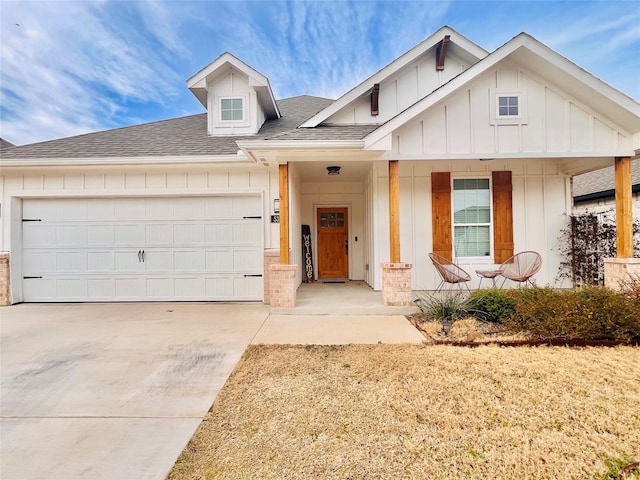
112 391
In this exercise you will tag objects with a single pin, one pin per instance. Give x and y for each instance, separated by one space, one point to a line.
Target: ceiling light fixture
333 170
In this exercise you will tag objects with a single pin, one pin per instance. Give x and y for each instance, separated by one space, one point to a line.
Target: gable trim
391 68
522 41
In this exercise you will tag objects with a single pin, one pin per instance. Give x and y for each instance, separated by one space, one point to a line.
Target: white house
448 149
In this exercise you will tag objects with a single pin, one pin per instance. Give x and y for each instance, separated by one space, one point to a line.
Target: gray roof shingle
602 180
185 136
5 144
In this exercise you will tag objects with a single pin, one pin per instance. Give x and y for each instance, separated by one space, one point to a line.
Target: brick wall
619 270
396 284
5 295
282 285
271 257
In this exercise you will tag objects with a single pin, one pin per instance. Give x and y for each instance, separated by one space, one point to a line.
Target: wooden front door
333 243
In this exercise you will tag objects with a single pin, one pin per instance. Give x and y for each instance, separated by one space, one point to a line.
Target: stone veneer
619 270
271 257
282 285
396 284
5 295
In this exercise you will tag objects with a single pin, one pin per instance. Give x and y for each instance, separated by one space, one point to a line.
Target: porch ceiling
314 172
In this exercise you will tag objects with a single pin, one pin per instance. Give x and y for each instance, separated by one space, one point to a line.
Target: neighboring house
448 149
595 191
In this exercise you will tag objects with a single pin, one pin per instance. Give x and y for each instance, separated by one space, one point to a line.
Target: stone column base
282 285
620 270
396 284
5 294
271 257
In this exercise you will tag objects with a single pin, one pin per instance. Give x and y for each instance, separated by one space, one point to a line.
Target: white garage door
123 249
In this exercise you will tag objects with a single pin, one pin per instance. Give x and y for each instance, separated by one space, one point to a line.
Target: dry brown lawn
419 411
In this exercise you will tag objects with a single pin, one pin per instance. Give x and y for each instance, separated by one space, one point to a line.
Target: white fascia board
522 40
270 145
393 67
488 157
103 161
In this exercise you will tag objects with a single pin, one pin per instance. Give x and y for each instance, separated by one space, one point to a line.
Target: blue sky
71 67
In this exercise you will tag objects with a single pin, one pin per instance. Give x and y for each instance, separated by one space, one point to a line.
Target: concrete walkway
115 391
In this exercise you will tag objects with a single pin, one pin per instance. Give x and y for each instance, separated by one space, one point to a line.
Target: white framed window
472 217
508 107
232 109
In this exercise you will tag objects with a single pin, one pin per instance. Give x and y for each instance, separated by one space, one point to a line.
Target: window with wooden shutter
469 200
502 216
441 213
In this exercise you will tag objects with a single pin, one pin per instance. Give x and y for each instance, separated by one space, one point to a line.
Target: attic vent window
231 109
508 107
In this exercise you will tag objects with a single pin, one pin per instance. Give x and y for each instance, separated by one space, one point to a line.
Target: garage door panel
128 261
92 249
188 260
101 289
35 235
245 260
190 288
161 287
100 235
219 288
130 235
101 262
244 287
247 233
188 234
218 207
159 234
218 234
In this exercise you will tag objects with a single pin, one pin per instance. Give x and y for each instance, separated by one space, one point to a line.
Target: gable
567 112
403 81
553 121
238 98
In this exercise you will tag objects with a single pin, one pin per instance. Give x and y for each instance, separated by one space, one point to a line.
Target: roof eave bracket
441 52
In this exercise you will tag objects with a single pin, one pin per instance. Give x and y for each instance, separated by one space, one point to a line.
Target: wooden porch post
394 211
283 181
624 216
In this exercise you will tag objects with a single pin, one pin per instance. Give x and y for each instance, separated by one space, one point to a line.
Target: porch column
283 181
282 276
619 270
394 212
396 276
624 214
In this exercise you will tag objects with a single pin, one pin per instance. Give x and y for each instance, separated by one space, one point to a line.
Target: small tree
588 239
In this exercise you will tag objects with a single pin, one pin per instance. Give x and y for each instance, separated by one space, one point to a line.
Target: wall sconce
333 170
276 205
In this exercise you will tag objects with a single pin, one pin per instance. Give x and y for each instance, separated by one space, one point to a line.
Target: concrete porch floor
349 298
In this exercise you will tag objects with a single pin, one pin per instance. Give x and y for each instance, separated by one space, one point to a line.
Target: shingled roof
5 144
187 136
601 183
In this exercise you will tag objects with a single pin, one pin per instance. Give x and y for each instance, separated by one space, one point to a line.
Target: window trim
494 108
221 99
476 258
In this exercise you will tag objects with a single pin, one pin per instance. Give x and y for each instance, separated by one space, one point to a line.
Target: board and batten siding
402 89
540 201
128 181
554 122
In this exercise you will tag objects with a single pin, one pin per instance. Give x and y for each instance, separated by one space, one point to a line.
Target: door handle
346 246
139 256
143 260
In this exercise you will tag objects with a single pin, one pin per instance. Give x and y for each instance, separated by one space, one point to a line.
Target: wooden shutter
441 213
502 216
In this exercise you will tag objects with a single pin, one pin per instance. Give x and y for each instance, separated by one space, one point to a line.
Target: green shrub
591 313
445 308
494 305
